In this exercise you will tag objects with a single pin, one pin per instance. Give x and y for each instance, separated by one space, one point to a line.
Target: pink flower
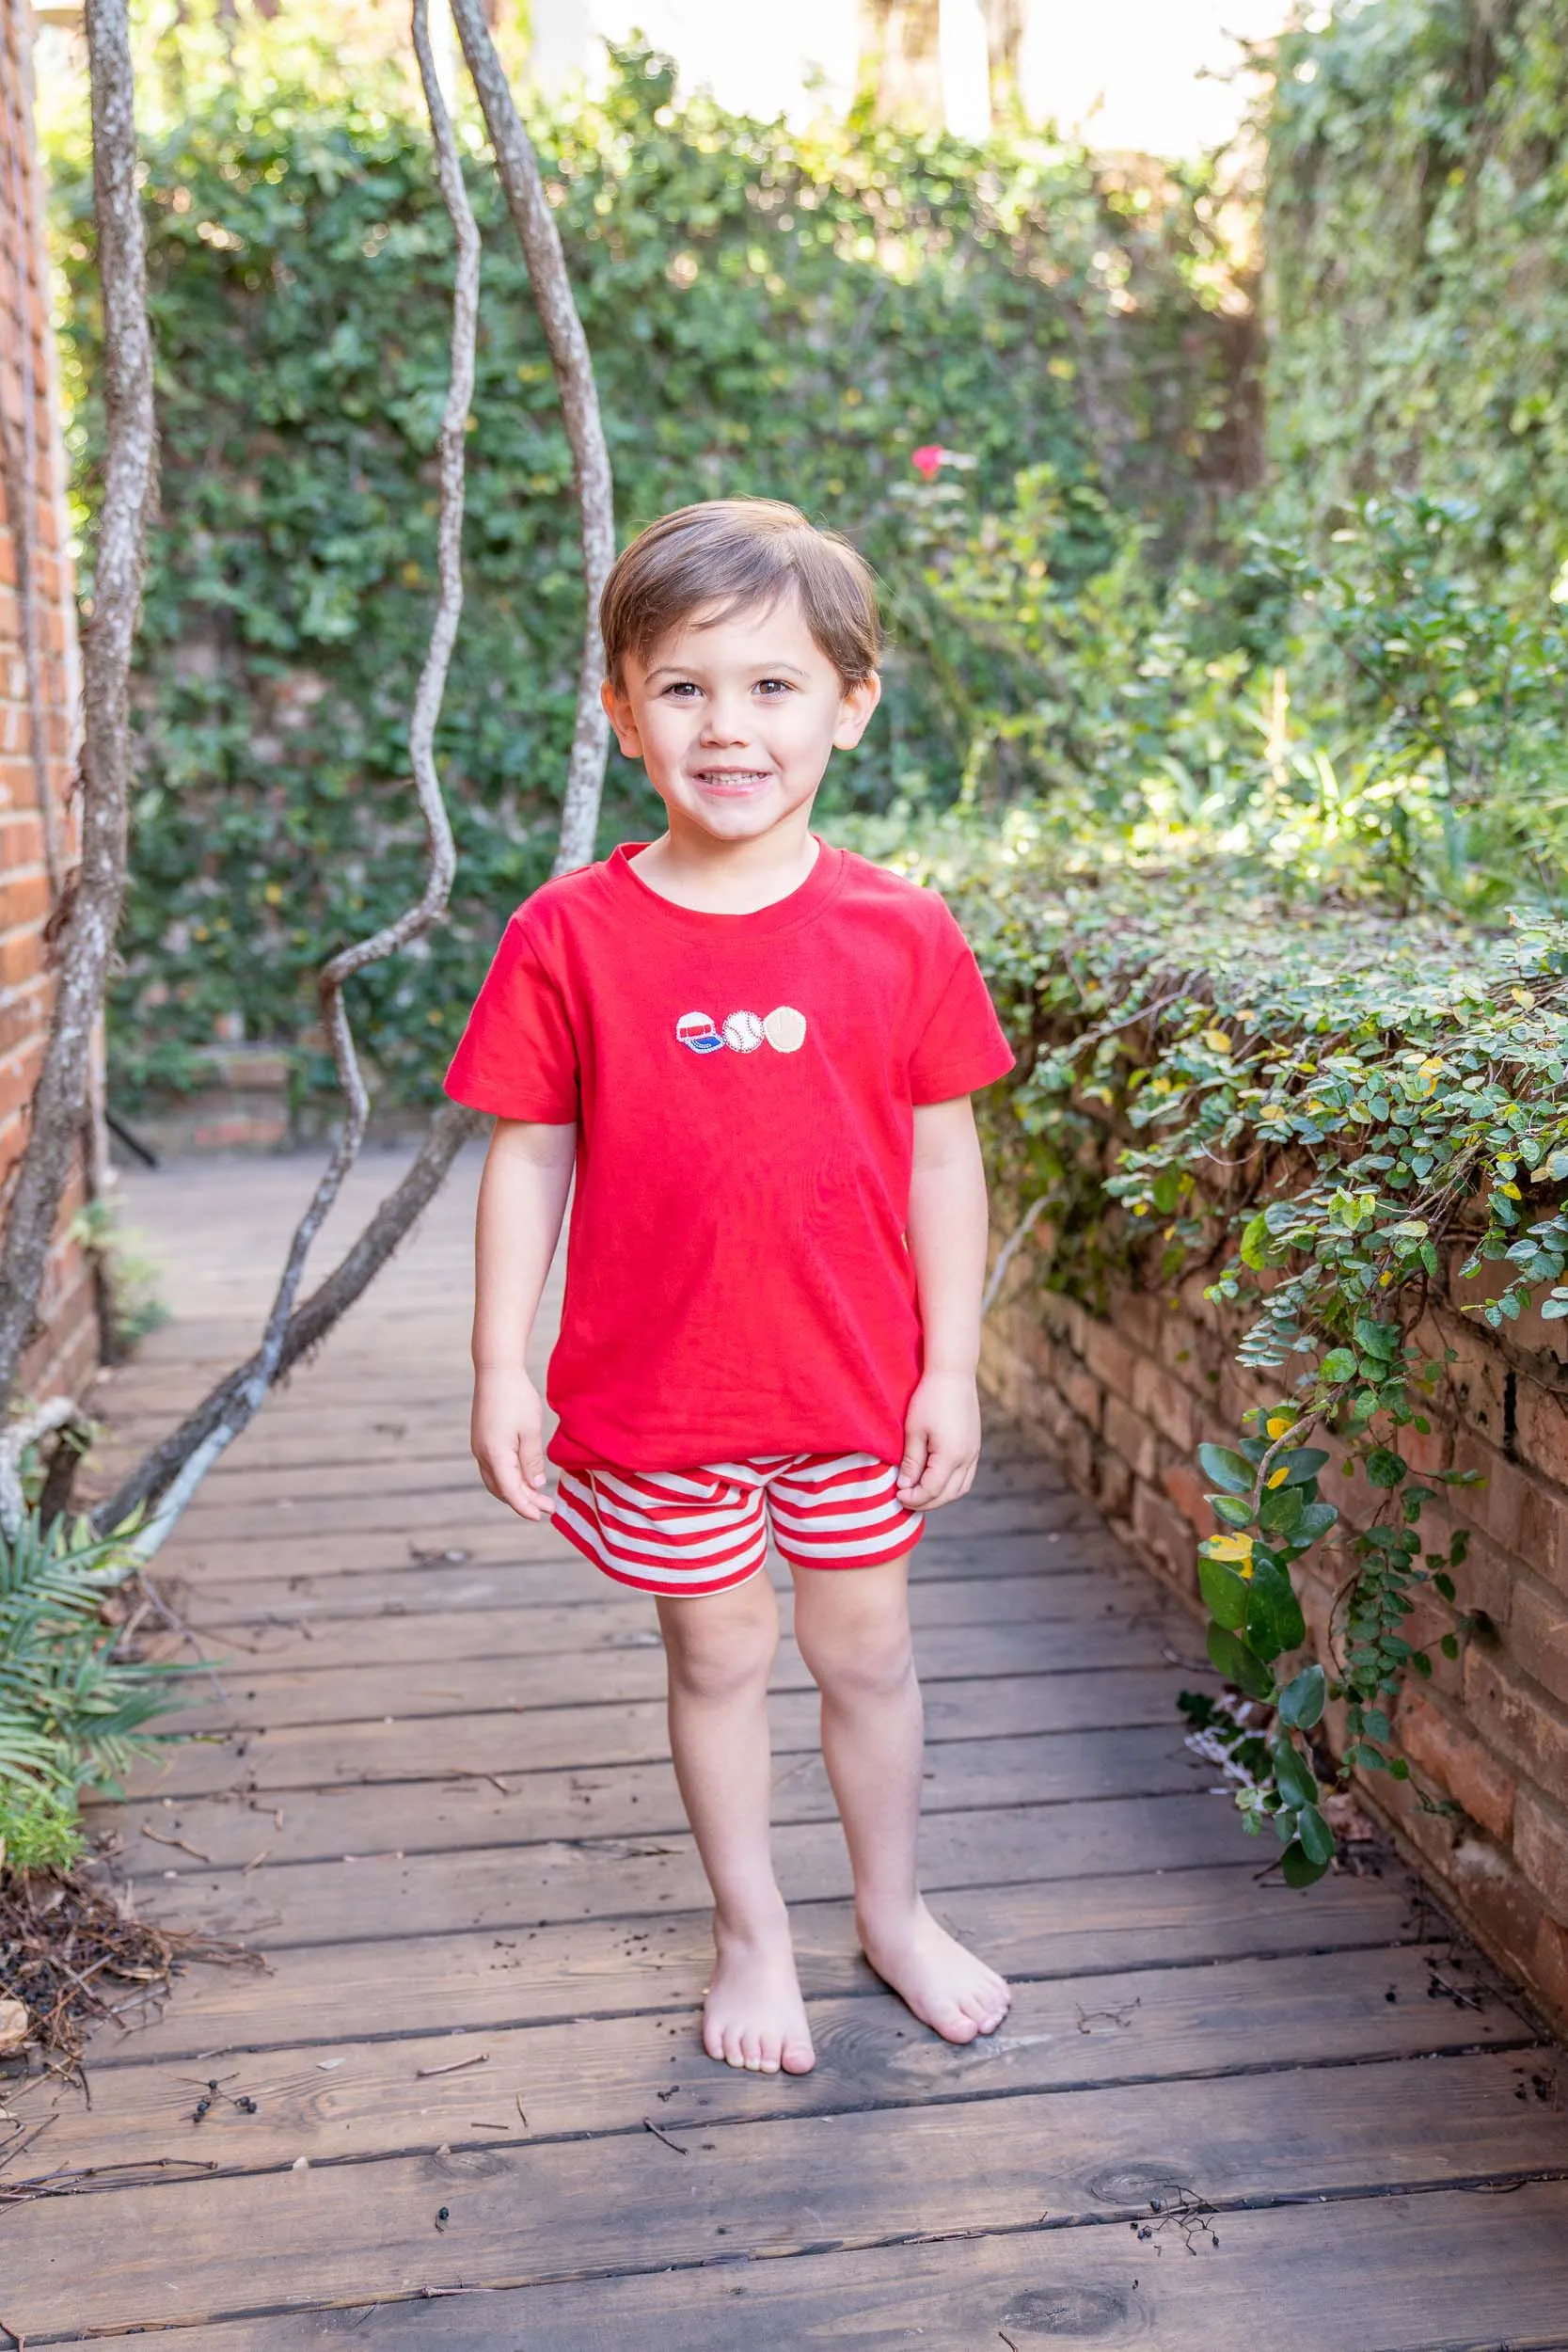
928 462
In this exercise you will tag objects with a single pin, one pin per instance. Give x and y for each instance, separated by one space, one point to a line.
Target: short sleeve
517 1057
961 1046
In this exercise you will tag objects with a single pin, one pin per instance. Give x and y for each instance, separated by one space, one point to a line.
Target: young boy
756 1052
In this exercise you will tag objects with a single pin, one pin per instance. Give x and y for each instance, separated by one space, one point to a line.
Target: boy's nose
726 724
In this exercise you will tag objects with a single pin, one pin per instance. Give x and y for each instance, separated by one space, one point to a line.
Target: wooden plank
539 1562
442 1983
550 1660
145 2256
1433 2272
363 2099
596 1600
503 1885
455 1801
408 1710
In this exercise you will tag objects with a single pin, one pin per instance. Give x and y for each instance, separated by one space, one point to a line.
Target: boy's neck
691 868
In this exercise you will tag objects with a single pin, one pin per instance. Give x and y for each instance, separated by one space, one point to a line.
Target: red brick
1140 1319
1132 1437
1109 1357
1161 1529
1112 1484
1541 1849
1517 1718
1187 1491
1540 1427
1539 1637
1460 1766
1173 1410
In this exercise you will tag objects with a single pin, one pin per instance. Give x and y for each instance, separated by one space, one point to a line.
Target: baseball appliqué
786 1030
743 1032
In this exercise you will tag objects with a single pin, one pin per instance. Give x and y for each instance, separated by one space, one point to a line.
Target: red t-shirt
737 1282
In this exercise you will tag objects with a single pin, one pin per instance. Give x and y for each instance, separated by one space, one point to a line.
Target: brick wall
38 699
1125 1399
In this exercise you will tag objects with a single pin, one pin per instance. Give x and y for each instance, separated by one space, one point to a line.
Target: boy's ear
623 718
854 712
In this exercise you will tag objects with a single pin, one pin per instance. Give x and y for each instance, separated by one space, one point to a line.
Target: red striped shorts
697 1531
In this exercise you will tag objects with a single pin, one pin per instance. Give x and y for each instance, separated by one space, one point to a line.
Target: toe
751 2053
713 2038
954 2025
768 2054
734 2055
799 2057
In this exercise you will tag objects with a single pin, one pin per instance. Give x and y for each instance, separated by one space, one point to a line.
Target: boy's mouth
736 780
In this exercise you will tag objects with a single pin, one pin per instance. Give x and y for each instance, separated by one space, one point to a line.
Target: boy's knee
853 1656
712 1658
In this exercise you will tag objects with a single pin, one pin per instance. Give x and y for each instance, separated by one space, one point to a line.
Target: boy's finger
915 1449
532 1451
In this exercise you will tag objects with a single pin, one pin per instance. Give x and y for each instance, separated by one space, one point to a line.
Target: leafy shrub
38 1828
73 1710
768 312
1329 1110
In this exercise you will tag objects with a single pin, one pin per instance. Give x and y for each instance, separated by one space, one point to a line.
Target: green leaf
1386 1467
1281 1511
1274 1618
1230 1657
1380 1339
1316 1838
1298 1867
1303 1462
1227 1468
1339 1364
1301 1702
1233 1509
1316 1520
1297 1783
1223 1592
1254 1243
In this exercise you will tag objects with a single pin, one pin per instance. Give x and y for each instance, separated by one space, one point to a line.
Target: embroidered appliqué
786 1030
743 1032
696 1030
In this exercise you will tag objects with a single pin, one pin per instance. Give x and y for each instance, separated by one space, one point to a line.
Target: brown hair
736 554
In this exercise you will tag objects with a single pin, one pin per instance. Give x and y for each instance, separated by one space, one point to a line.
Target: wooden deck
432 1789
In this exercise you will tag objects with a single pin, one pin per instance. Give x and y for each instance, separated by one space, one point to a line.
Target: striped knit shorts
698 1530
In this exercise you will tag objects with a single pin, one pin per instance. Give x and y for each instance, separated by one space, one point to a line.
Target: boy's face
735 722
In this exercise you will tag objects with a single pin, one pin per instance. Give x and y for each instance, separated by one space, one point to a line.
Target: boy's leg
853 1629
720 1649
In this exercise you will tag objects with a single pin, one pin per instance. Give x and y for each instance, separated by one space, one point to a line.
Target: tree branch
244 1393
517 167
60 1099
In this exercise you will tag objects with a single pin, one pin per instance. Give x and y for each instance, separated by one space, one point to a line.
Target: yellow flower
1277 1478
1277 1424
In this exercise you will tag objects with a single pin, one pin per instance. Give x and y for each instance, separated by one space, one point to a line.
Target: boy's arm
947 1231
522 1199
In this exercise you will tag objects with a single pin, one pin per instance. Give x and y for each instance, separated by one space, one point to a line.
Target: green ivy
767 313
1337 1111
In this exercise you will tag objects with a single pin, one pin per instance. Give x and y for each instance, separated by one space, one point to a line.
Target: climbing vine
1343 1134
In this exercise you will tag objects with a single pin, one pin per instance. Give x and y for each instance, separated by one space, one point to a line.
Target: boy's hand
507 1434
942 1442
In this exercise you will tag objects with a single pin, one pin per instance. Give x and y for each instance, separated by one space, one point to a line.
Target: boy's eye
774 686
684 687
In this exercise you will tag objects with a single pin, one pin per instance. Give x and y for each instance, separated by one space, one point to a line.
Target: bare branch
61 1101
517 167
452 1127
243 1396
56 1412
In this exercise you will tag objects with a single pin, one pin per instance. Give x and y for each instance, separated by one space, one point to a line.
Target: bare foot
946 1986
753 2016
